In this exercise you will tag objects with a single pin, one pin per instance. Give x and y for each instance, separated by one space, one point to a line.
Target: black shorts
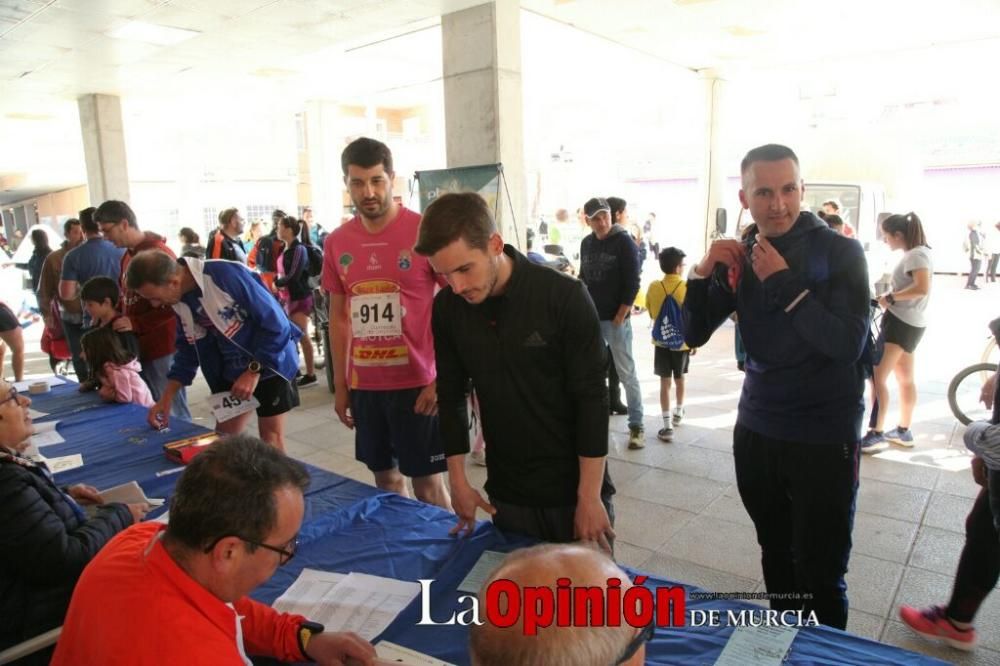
389 434
275 394
670 363
898 332
8 320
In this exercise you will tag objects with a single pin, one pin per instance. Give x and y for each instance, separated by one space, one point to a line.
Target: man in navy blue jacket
801 293
609 266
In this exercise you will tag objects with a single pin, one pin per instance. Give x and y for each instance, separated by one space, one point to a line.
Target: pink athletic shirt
390 290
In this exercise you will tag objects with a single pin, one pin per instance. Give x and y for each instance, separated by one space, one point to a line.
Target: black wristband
312 628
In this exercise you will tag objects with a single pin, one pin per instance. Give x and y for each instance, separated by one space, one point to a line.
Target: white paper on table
48 426
307 591
356 602
64 463
129 493
35 414
759 646
487 562
51 381
162 518
225 406
390 653
47 438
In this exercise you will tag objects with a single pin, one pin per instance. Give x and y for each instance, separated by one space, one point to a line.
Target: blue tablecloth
118 446
350 526
388 535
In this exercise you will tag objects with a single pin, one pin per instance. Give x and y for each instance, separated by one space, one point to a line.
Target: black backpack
315 260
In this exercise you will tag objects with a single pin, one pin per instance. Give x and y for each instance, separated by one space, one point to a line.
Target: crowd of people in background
431 314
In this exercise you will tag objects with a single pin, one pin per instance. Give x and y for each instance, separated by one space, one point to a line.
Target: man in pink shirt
381 294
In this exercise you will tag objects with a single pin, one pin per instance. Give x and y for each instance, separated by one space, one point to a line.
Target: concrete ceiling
52 51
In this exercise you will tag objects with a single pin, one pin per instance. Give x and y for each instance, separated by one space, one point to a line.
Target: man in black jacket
801 293
224 242
528 338
609 265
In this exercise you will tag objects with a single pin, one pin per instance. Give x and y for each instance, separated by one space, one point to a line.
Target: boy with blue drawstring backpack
664 299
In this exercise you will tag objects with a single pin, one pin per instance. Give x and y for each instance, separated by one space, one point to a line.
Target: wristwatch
890 299
306 631
255 367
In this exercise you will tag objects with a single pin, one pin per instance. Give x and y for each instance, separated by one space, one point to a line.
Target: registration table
352 527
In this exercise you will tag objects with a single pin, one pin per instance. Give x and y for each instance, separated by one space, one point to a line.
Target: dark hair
833 220
40 240
113 212
670 258
771 152
189 235
452 216
366 153
69 224
103 345
153 267
909 226
617 205
832 203
96 289
227 215
300 229
228 490
87 221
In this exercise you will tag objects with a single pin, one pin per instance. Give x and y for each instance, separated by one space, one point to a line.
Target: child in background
100 296
114 367
670 362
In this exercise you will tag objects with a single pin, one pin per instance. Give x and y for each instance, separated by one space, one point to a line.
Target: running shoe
901 437
873 442
678 415
932 623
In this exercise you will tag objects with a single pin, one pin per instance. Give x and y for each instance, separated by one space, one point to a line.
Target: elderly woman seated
46 538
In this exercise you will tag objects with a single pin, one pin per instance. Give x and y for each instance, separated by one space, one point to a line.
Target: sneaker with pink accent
932 623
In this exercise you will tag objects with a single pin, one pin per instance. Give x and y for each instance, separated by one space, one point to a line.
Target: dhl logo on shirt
380 356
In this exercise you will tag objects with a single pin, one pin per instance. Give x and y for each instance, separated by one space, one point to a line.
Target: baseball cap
595 206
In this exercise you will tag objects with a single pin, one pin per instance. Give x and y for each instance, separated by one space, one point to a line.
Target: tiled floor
679 514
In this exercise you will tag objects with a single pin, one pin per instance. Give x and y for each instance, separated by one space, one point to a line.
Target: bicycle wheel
964 390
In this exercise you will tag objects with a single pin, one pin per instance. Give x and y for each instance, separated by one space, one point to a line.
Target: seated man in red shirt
176 594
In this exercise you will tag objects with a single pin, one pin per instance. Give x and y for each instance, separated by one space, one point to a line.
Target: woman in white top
903 325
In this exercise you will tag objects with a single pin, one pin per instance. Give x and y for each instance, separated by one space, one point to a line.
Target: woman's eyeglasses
11 395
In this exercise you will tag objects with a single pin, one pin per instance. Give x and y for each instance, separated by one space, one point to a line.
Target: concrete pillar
104 147
481 49
30 216
713 167
325 141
